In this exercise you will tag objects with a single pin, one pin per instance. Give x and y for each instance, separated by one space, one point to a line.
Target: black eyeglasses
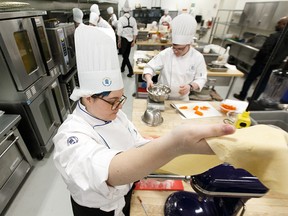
179 49
115 104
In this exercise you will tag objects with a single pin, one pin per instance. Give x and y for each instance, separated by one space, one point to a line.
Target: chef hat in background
93 18
77 15
166 11
154 23
95 8
183 29
110 10
97 61
126 7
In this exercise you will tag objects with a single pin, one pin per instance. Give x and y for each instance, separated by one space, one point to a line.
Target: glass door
21 51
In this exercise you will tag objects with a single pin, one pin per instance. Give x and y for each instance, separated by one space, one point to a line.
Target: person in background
101 22
181 66
93 19
127 32
166 19
261 59
98 151
113 22
77 16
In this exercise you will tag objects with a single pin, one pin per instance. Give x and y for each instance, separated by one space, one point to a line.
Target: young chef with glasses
98 151
181 66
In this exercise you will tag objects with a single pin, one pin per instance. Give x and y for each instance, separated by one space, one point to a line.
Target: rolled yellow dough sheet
262 150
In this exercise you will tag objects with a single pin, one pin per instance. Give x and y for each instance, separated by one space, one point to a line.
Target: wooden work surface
151 42
228 73
269 205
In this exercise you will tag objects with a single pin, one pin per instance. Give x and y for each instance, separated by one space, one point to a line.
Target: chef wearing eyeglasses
181 66
98 151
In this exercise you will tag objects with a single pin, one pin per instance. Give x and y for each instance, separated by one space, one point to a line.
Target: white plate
189 113
240 105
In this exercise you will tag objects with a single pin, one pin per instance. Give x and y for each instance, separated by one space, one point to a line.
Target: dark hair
103 94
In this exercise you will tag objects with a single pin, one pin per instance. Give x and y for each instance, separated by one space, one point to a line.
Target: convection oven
27 87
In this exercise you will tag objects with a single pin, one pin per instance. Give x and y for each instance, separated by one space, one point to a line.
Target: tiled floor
45 194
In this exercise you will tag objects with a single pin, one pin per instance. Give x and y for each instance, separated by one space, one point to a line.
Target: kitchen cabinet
147 15
263 15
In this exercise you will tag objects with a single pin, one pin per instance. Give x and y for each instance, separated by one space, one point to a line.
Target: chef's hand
150 84
119 44
184 89
190 138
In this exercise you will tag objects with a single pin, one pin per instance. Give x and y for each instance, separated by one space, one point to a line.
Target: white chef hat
166 11
183 29
154 23
93 18
97 61
110 10
95 8
126 7
77 15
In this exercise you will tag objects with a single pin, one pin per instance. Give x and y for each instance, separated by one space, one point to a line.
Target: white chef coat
113 20
165 18
176 71
84 148
103 23
125 32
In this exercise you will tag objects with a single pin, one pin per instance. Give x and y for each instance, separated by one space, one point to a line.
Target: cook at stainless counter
98 150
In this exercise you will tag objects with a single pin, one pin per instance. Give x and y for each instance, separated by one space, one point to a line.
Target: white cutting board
189 113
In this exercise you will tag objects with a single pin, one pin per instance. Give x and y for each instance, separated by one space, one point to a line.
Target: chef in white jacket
98 151
165 19
181 66
101 22
77 16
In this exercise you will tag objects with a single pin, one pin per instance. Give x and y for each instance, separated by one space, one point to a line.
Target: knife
175 107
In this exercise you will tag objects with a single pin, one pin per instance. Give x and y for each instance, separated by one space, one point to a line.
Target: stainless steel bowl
152 117
159 92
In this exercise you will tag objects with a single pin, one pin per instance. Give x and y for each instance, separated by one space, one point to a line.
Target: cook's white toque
97 61
95 8
126 7
110 10
183 29
77 15
93 18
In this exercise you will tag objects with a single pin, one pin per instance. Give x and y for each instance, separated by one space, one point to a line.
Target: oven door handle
7 137
12 143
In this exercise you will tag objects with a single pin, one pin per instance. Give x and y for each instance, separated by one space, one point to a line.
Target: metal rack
226 21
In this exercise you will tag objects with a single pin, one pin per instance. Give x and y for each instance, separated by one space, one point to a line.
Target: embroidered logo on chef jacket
106 81
72 140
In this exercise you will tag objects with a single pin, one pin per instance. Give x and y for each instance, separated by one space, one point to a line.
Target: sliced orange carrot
204 108
183 107
196 108
197 112
228 107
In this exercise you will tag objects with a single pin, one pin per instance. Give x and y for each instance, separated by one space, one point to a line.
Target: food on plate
227 107
141 65
183 107
197 112
204 108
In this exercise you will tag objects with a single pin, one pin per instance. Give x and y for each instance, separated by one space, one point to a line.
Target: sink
209 57
276 118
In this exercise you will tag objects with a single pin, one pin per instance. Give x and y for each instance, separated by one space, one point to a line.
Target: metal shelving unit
226 22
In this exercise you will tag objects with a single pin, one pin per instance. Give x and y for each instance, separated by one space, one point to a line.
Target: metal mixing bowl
152 117
159 92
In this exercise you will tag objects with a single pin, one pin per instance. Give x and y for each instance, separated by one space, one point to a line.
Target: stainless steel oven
40 117
19 46
25 86
67 84
62 43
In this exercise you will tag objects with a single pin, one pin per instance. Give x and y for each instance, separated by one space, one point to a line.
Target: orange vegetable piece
197 112
183 107
228 107
196 108
204 108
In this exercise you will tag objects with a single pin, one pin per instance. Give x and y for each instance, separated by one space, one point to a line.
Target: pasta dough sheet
262 150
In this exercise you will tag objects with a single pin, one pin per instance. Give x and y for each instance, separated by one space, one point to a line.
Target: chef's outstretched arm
136 163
